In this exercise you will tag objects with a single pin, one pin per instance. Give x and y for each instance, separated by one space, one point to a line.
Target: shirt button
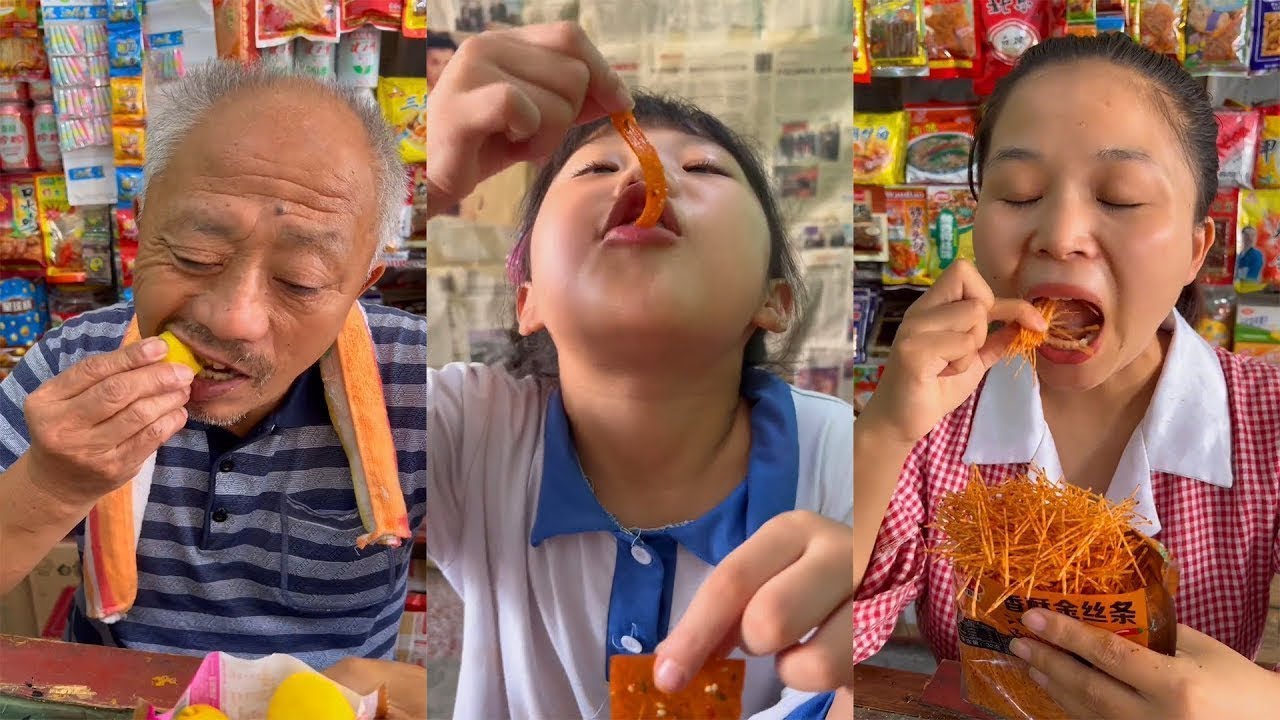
631 644
226 466
641 555
220 515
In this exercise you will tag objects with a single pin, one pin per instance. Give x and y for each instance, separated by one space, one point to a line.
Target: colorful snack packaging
404 105
235 29
128 184
907 229
1264 51
61 227
950 226
1220 263
24 311
414 23
938 142
382 14
1258 251
1257 332
1217 306
895 37
1003 541
128 100
869 231
316 59
124 50
879 148
130 144
1009 29
1266 169
861 56
1237 143
23 58
280 21
1218 37
951 38
714 692
359 53
20 239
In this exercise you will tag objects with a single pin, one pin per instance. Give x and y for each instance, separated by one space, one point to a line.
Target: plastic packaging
907 226
895 36
359 53
1258 248
879 148
404 105
951 38
938 144
1217 308
1218 37
380 14
1220 262
1266 168
1237 144
280 21
414 22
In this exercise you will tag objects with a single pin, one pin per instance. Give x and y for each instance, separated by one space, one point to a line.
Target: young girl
1096 166
634 471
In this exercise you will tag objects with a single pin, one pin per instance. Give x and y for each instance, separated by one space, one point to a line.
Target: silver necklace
633 533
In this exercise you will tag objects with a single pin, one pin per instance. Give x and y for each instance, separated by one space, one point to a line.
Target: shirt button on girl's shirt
640 555
631 644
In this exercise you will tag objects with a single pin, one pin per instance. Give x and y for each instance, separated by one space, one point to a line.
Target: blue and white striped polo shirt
248 546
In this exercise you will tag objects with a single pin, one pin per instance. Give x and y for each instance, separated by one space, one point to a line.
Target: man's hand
94 425
787 580
1206 680
406 684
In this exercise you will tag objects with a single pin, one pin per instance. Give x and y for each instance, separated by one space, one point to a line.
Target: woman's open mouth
1075 329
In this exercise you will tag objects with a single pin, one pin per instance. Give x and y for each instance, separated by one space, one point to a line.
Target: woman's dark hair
536 354
1181 98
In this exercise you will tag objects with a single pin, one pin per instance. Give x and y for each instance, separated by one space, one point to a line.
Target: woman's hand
788 579
509 96
942 351
406 684
1206 680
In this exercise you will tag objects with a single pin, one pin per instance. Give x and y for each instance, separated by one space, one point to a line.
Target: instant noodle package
879 148
1258 249
938 144
1030 543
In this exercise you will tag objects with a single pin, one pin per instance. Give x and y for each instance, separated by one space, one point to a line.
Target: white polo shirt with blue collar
551 587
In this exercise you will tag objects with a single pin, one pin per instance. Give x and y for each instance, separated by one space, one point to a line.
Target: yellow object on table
309 696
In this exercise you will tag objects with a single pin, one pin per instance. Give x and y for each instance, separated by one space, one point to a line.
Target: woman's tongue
1076 324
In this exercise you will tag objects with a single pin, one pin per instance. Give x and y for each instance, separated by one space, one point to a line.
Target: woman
1096 166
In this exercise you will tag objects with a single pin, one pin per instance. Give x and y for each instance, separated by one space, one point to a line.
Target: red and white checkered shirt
1226 540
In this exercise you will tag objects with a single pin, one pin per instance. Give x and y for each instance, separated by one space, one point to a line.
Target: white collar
1186 431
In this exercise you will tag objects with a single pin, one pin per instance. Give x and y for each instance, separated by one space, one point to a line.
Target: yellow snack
880 148
309 696
404 105
179 353
201 712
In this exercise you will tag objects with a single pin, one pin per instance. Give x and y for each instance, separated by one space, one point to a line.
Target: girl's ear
1201 241
778 310
527 311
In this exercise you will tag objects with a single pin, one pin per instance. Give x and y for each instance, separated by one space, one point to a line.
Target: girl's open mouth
1075 325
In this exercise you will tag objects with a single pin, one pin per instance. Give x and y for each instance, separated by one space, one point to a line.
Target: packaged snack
861 58
404 105
125 50
1237 143
879 148
234 23
1258 251
382 14
895 37
128 100
75 31
126 242
280 21
1009 29
1264 50
1266 170
1218 37
1005 543
907 226
951 37
20 239
1217 306
1081 11
165 57
44 127
951 226
869 230
130 144
359 53
82 102
866 378
1257 332
938 144
414 22
90 70
77 133
1220 263
24 311
279 57
23 58
316 59
124 11
17 139
128 184
61 227
21 19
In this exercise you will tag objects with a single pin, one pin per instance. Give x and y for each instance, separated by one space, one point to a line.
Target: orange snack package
280 21
655 178
1032 543
715 693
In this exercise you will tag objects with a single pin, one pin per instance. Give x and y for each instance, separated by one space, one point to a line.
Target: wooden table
48 680
885 694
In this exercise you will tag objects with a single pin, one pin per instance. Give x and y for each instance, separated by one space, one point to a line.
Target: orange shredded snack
1027 341
655 178
1032 534
1059 334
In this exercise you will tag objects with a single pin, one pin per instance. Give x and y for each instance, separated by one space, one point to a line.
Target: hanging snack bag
1009 29
234 26
414 23
316 59
1237 143
1258 248
1220 263
128 100
861 57
879 148
130 144
20 239
404 105
1257 331
1217 306
951 38
1266 169
1218 37
938 144
61 227
907 227
24 311
895 37
280 21
950 226
1264 52
382 14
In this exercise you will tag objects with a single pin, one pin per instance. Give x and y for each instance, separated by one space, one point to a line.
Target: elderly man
267 198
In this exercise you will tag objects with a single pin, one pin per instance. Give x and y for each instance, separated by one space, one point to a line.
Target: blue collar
303 405
566 505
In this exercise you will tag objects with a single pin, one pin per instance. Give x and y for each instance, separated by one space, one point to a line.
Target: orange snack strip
715 693
1027 341
655 178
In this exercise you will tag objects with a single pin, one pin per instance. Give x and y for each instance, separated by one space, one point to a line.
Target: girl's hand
509 96
788 579
942 351
1205 680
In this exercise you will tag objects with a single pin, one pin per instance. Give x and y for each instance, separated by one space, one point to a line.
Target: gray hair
180 106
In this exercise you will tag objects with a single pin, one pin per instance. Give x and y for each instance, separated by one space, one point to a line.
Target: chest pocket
321 569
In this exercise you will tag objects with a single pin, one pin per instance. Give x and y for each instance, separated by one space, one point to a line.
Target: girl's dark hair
1181 98
536 354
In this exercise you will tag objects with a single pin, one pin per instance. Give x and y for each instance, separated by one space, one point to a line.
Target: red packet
280 21
235 28
1010 28
382 14
1220 264
414 22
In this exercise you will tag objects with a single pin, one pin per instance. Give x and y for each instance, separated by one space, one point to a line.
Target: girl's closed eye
596 167
706 166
